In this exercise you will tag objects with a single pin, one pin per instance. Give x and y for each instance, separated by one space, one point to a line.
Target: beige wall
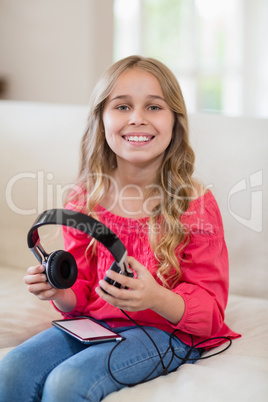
54 50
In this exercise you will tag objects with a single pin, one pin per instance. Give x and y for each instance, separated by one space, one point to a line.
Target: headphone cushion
61 269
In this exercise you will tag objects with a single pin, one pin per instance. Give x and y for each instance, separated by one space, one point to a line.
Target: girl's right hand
38 284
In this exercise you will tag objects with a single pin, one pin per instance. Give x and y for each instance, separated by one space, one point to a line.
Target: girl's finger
37 269
36 288
37 278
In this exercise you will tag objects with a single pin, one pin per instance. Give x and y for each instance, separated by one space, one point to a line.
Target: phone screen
86 330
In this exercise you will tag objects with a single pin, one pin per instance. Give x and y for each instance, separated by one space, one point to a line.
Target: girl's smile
137 120
138 137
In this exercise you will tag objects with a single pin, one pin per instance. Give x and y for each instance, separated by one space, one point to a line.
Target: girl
136 176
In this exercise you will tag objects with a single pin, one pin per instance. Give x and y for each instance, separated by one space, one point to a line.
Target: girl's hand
63 299
38 284
142 292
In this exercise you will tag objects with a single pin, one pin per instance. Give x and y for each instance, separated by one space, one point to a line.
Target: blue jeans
52 366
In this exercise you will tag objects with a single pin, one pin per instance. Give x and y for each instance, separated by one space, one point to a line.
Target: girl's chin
141 160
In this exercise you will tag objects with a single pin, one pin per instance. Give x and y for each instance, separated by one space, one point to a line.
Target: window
209 45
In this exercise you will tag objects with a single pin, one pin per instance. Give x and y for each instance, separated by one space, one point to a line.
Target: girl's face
137 120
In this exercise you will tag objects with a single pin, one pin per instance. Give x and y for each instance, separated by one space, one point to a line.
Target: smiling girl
136 176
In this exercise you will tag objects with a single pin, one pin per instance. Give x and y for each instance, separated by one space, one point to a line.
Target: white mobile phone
86 330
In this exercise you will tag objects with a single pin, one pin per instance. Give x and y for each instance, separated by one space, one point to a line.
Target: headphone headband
81 222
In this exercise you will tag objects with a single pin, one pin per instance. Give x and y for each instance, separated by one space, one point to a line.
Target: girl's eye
123 107
154 108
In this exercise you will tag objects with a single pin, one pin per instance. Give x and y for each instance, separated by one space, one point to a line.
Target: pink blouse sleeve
205 272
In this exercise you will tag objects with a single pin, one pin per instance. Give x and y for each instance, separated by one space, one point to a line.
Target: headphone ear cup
61 269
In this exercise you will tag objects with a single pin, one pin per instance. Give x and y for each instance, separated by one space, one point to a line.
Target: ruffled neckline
194 204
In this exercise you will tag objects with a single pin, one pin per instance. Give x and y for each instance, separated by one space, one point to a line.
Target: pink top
204 281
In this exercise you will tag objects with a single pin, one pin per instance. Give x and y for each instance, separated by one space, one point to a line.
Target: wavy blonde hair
174 176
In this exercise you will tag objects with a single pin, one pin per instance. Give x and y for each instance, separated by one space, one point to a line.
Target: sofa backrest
231 156
39 145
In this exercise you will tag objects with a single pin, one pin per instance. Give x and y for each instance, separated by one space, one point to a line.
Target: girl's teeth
136 138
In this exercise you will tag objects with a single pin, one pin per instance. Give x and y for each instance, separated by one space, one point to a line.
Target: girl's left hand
141 293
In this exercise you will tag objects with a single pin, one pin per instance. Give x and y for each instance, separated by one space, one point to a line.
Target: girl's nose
137 117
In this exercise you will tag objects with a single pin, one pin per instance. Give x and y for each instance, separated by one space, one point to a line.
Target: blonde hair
175 175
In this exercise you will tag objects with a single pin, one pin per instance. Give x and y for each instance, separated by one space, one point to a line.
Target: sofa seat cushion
239 374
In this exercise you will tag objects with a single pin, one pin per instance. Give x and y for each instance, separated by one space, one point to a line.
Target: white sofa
39 158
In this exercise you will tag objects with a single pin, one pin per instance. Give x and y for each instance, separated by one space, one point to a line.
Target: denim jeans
53 366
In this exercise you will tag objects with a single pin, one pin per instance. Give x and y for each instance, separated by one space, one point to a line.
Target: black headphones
60 266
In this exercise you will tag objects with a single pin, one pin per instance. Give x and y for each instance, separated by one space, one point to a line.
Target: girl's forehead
137 81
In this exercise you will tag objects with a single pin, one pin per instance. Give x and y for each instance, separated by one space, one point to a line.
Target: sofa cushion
239 374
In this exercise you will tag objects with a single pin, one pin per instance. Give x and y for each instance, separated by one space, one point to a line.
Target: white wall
54 50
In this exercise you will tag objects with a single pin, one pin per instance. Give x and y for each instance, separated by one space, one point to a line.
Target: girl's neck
139 178
142 174
127 193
